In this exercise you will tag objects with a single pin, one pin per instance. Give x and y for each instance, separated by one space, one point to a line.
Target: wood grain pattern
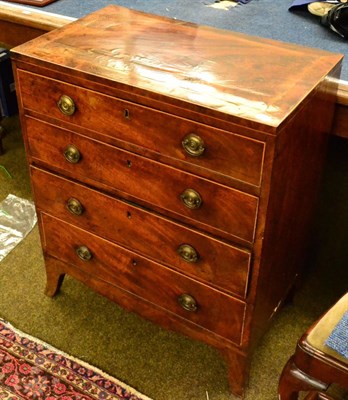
142 277
138 52
145 180
268 106
225 153
219 263
19 24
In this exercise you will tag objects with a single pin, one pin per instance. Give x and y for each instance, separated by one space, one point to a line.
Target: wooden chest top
246 80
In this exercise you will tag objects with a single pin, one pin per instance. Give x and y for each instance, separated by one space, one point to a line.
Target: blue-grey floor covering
264 18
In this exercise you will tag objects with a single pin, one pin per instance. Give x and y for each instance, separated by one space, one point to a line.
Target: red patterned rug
31 369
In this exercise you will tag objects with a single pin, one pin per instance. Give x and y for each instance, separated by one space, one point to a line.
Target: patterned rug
33 370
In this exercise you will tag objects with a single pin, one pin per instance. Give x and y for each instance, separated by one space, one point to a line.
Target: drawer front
189 251
216 206
223 152
151 281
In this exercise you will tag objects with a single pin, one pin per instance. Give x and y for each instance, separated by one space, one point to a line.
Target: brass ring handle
188 253
72 154
84 253
187 302
66 105
193 145
191 199
74 206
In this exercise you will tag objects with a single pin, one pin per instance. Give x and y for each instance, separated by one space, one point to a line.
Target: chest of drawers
174 168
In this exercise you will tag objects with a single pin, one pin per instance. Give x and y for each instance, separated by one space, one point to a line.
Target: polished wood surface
137 52
105 115
156 237
232 156
151 281
161 185
19 24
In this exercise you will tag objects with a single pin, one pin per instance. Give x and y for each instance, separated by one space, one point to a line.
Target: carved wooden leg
238 370
293 381
54 277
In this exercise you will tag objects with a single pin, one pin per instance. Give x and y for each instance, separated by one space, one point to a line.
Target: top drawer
204 147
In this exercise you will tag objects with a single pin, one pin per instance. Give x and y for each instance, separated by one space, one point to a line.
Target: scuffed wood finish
213 69
140 84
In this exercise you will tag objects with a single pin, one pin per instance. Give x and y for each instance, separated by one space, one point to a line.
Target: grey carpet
264 18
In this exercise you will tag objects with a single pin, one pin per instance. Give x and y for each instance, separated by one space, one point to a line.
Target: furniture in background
37 3
8 101
315 366
179 184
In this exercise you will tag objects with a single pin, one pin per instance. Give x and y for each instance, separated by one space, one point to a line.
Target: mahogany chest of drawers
174 168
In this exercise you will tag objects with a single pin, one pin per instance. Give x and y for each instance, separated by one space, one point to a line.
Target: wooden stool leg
293 381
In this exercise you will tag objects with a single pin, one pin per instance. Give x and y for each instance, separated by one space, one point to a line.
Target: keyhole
126 114
134 263
129 215
129 163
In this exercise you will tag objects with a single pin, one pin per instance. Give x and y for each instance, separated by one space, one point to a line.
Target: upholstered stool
315 366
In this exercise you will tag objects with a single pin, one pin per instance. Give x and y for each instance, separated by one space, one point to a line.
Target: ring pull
187 302
193 145
66 105
84 253
74 206
72 154
191 199
188 253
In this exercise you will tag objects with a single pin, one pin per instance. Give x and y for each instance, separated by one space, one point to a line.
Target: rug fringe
75 359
